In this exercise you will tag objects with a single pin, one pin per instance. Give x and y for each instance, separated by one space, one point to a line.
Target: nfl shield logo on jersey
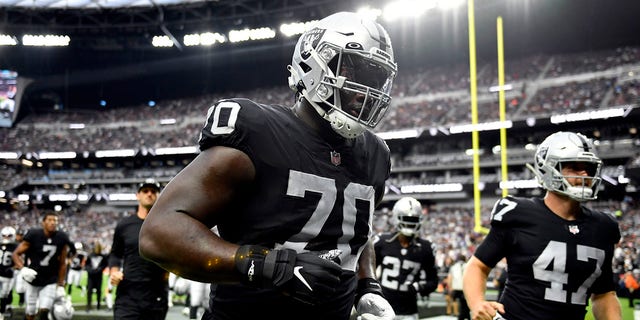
335 158
574 229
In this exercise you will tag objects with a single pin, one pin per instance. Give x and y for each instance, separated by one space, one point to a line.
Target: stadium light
9 155
495 125
589 115
204 39
400 134
294 28
46 40
251 34
7 40
115 153
427 188
57 155
161 42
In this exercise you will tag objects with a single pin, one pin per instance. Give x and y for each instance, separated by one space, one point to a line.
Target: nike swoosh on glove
303 276
28 274
374 307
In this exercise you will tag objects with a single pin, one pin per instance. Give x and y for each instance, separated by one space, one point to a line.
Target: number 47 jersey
554 265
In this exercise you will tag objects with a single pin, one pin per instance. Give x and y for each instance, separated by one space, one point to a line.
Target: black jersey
96 263
554 264
44 254
400 267
6 261
311 192
125 254
77 259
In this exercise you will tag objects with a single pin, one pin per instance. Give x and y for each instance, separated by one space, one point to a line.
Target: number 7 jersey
554 265
311 192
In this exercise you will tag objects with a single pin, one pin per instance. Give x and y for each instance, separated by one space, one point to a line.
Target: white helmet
8 235
407 213
181 287
62 309
344 67
78 245
560 149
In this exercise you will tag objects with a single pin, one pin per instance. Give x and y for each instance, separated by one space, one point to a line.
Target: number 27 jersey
553 264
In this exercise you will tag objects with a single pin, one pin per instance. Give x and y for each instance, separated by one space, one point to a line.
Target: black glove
424 288
303 276
414 287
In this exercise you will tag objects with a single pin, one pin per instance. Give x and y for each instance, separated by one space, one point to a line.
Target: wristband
249 261
367 285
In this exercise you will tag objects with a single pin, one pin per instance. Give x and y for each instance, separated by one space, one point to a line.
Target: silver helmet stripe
585 144
382 40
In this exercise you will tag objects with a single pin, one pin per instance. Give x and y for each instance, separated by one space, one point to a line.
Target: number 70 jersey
554 265
311 192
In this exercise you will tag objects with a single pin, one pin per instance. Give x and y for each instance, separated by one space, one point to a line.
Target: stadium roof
111 38
89 4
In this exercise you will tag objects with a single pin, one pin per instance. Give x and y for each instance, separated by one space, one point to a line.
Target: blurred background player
142 286
20 284
96 264
43 267
76 267
405 261
198 298
7 279
455 279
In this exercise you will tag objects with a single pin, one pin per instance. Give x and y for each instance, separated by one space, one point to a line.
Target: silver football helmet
62 309
182 286
8 235
344 67
566 149
407 214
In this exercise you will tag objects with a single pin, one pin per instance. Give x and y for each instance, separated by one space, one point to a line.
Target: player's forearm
366 263
202 256
606 306
62 273
474 283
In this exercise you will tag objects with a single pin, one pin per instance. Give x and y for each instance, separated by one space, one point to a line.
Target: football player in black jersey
406 261
558 251
291 189
7 279
96 263
142 286
76 267
44 266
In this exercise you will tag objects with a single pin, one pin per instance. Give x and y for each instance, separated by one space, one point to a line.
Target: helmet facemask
587 190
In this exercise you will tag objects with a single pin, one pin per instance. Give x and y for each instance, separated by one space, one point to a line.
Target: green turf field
79 301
